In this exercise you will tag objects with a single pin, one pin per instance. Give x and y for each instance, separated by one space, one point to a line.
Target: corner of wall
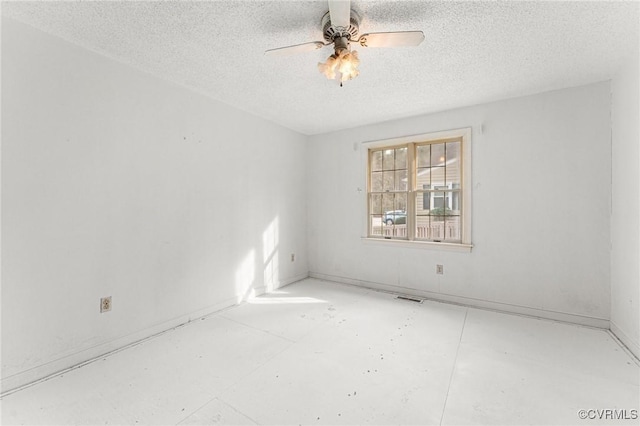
625 205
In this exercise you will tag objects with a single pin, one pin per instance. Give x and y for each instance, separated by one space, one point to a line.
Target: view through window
415 191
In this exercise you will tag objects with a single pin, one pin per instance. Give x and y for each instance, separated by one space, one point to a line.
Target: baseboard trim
625 340
292 280
40 373
472 302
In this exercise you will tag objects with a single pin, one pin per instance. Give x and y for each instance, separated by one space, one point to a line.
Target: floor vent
410 299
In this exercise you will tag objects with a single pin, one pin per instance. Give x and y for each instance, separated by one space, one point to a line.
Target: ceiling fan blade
292 50
340 12
393 39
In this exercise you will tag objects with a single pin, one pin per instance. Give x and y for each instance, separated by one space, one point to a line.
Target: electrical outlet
439 269
293 257
105 304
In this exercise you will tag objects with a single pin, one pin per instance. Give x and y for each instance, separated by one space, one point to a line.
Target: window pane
422 156
444 204
395 214
401 203
455 202
376 161
401 158
387 202
376 204
437 178
452 228
453 163
423 222
437 154
387 181
436 230
401 180
388 159
376 182
438 206
423 179
423 203
394 219
422 227
376 225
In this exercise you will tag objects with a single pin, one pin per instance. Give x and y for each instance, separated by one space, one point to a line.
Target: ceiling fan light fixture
328 68
344 60
348 66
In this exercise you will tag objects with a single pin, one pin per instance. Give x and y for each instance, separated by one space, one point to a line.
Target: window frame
464 135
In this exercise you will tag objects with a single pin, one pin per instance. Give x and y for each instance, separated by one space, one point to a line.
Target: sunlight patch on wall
270 241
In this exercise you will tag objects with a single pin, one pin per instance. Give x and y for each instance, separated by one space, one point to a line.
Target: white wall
116 183
625 217
541 202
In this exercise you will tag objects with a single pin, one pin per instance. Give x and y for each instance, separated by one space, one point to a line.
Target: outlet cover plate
105 304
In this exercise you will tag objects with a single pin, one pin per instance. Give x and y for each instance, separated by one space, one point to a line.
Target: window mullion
411 198
369 156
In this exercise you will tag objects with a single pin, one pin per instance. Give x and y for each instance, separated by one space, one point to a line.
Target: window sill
429 245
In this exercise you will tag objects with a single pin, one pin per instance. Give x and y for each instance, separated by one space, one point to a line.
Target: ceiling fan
340 27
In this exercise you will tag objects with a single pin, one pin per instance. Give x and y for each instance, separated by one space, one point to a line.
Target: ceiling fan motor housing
331 32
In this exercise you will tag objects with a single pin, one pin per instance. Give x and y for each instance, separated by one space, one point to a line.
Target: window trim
465 135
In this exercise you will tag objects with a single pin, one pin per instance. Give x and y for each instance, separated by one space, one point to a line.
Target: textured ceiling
474 52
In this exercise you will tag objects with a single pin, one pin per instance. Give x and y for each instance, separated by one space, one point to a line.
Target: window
419 188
